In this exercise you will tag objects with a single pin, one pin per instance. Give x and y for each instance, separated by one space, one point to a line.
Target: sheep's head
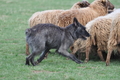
84 4
109 5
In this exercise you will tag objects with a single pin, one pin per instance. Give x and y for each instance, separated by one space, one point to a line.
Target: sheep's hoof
107 64
86 60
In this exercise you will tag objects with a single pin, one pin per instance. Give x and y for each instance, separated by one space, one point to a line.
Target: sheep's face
108 4
110 7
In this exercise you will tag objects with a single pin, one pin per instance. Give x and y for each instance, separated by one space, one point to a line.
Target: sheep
99 29
84 15
114 37
49 16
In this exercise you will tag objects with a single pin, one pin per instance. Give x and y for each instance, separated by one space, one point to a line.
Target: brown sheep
84 15
114 38
50 16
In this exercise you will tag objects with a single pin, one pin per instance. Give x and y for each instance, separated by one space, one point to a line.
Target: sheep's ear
75 22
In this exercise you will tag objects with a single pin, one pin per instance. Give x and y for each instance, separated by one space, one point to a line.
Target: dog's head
80 30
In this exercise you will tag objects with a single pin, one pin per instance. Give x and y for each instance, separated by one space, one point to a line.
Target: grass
14 15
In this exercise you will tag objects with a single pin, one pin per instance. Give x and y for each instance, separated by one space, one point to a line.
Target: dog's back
48 33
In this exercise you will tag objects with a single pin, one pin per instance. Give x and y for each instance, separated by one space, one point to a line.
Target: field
14 15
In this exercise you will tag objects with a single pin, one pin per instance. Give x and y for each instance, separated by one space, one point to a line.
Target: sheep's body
50 16
114 38
84 15
79 45
100 31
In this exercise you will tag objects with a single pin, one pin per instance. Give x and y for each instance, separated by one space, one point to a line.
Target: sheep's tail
92 32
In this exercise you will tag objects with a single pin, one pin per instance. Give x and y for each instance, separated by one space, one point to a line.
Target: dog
43 37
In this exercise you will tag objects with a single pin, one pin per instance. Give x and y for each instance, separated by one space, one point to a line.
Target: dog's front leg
70 56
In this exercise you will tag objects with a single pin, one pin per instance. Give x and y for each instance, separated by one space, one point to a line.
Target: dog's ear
75 22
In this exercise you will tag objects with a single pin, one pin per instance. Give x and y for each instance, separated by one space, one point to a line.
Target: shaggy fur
100 31
49 16
84 15
114 38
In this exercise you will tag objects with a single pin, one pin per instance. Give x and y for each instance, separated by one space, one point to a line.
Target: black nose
88 35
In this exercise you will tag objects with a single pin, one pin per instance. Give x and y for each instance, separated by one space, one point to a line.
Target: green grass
14 15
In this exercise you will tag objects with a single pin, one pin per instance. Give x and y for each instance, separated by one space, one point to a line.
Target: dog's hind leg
42 55
31 59
70 56
28 59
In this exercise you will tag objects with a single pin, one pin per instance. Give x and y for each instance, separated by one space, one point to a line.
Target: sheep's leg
108 57
118 50
79 55
27 49
87 54
70 56
42 56
100 55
